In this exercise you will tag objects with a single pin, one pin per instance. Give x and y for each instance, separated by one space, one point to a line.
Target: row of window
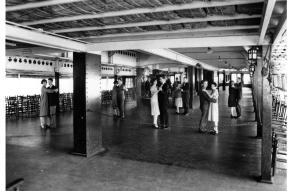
127 53
111 69
107 68
39 62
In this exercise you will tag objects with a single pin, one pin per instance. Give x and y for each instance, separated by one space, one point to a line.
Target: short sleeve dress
213 114
155 110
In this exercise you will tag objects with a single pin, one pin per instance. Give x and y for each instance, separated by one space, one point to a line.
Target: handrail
15 185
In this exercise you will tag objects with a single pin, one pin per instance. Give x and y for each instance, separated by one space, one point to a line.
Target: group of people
118 98
208 103
48 104
235 94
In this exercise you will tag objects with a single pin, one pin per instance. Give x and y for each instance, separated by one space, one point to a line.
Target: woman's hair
213 83
43 81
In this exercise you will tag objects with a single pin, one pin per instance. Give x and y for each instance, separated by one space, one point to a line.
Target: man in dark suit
205 100
238 86
185 95
163 103
52 101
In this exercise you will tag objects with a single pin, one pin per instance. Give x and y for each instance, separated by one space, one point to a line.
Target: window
129 82
107 84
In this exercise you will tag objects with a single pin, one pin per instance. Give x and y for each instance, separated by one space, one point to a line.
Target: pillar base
267 181
99 151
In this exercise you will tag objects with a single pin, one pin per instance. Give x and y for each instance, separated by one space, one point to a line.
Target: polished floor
139 157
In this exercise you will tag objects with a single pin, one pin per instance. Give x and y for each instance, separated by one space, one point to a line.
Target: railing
279 132
28 106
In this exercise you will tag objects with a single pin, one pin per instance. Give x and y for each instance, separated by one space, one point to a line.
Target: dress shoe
201 131
213 133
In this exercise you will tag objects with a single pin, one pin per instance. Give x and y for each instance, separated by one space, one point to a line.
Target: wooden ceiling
86 18
105 21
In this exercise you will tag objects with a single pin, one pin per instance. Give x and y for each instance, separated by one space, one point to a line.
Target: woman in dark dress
232 99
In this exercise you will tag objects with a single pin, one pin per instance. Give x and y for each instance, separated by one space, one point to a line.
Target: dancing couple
209 108
159 103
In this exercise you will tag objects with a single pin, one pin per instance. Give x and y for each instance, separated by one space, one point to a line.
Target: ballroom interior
85 45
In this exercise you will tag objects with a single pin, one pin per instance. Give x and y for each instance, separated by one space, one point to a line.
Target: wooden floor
139 157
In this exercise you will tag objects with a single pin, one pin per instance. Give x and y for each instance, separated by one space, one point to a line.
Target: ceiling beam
192 5
151 23
281 28
269 6
18 34
39 4
180 58
206 29
221 41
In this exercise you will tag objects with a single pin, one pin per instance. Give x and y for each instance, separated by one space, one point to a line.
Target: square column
87 104
57 84
191 80
224 81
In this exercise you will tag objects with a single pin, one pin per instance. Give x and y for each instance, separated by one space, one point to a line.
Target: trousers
238 108
204 119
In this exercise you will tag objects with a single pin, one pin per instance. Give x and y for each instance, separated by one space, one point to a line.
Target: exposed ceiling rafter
281 28
221 41
192 5
206 29
151 23
269 6
19 34
180 58
39 4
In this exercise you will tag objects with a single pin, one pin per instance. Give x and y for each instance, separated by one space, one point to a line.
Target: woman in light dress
178 98
213 114
155 111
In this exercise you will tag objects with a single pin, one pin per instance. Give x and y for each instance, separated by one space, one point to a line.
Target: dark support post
266 175
191 79
87 104
224 81
259 97
242 78
57 83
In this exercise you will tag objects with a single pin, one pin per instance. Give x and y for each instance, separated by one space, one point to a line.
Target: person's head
43 82
204 84
185 79
115 82
231 83
119 81
50 81
213 85
238 80
163 79
177 79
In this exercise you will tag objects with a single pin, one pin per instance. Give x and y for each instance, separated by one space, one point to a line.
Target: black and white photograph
144 95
